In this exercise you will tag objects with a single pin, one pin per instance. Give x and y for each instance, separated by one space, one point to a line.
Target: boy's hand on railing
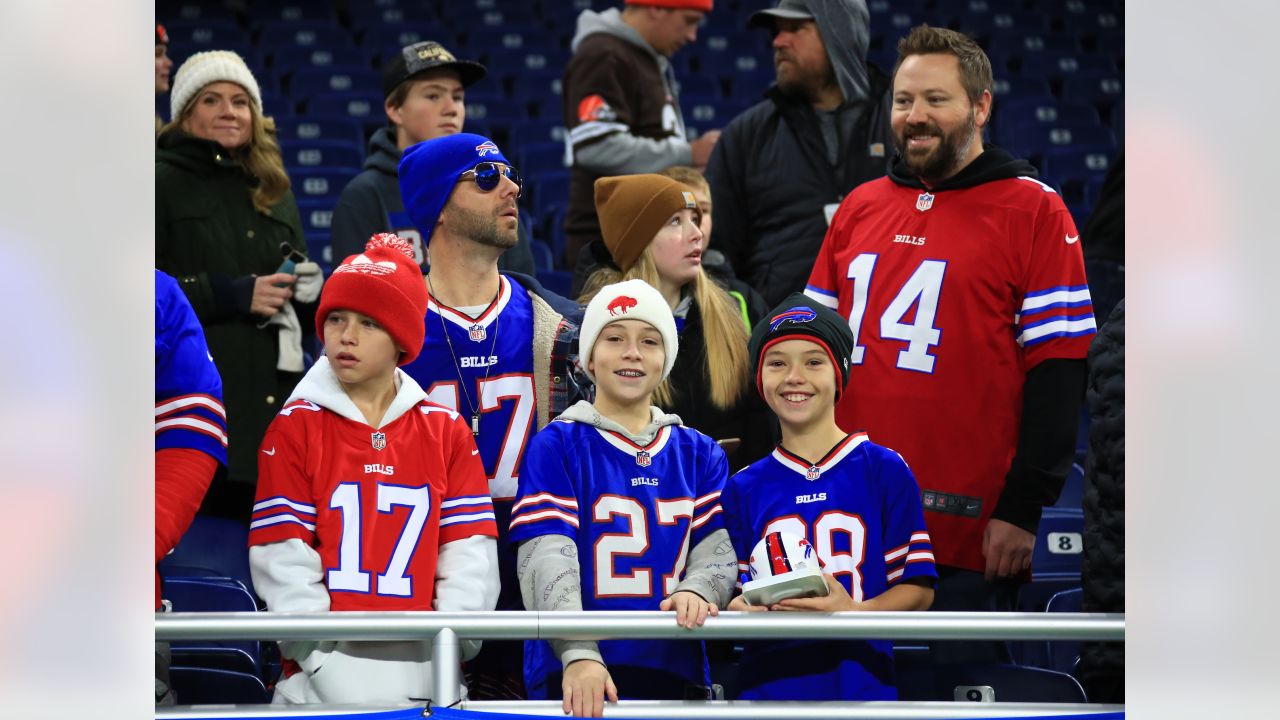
836 600
586 685
691 609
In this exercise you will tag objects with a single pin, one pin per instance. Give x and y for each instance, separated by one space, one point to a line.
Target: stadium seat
1032 140
542 260
1062 655
366 14
1011 87
308 82
559 282
536 159
320 250
1074 168
321 153
192 36
365 106
194 11
1021 42
537 132
286 60
204 686
1097 88
1008 683
276 105
1059 542
1073 489
320 183
214 594
313 34
219 544
317 215
1042 110
1055 65
319 127
700 85
706 111
388 39
296 11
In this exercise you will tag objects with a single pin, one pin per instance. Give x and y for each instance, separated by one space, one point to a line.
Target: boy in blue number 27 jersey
856 503
619 509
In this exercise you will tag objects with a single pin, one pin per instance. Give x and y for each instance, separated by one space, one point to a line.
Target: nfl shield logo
924 202
813 473
643 459
476 333
379 440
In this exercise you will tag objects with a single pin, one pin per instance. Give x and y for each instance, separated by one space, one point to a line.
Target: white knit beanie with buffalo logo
628 300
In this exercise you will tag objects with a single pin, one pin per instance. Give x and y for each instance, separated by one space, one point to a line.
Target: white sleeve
289 576
467 579
551 561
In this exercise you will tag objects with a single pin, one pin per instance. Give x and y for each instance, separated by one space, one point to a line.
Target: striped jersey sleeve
708 513
1055 318
908 548
285 505
189 413
546 502
468 509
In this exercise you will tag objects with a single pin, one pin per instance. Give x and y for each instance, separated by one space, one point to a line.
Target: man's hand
267 298
702 148
691 609
586 685
1007 549
739 603
836 600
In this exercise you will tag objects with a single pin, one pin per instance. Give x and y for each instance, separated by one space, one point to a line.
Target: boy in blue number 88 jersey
854 501
618 509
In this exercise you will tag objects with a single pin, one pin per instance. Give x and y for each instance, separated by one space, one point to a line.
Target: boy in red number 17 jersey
369 497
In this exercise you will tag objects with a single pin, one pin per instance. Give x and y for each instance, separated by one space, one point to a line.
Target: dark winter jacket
1102 569
770 175
371 204
213 241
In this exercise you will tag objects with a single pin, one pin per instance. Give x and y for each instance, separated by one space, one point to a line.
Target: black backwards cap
800 317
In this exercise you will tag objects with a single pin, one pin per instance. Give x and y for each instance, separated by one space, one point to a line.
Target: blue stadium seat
287 59
317 216
296 11
707 111
1010 683
194 11
320 183
537 159
1021 42
1076 165
1055 65
321 153
192 36
312 33
1073 489
365 14
1032 140
1091 21
388 39
219 544
491 108
1062 655
320 250
204 686
1059 543
218 658
276 105
559 282
215 594
309 82
547 191
537 131
1044 111
365 106
1015 87
319 127
701 85
1097 88
542 260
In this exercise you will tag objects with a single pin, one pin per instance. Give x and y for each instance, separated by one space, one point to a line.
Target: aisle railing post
446 665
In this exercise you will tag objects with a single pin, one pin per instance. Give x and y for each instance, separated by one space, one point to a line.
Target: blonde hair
688 176
726 367
260 156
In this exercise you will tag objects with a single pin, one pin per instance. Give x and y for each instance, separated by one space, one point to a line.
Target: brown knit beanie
633 208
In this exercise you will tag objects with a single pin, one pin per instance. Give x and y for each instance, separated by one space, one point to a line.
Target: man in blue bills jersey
854 501
499 348
618 509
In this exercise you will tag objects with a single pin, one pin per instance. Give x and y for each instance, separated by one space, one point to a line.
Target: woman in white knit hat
226 225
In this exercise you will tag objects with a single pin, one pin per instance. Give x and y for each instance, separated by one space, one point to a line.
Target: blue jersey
484 370
634 512
189 411
860 509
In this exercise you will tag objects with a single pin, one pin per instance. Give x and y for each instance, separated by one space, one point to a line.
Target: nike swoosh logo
475 452
1073 239
272 451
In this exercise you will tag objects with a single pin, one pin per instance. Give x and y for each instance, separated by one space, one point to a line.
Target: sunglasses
488 174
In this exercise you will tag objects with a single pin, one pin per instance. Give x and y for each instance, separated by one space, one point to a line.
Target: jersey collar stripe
624 443
543 515
277 519
833 458
200 426
474 517
564 502
175 404
281 501
486 318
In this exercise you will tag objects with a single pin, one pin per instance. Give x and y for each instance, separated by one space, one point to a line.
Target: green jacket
211 238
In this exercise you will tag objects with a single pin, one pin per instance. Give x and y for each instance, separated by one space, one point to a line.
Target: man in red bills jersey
369 496
962 279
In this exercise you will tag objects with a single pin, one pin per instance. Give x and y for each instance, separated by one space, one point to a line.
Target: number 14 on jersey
921 291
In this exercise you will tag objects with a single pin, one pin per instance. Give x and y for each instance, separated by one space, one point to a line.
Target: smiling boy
854 501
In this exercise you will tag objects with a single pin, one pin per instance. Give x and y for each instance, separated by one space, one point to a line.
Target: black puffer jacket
1102 664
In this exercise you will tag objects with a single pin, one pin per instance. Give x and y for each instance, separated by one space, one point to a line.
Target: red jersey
375 504
952 297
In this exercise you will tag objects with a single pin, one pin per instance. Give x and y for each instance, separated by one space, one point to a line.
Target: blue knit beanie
430 169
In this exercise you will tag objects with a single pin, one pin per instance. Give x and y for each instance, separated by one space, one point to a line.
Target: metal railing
446 629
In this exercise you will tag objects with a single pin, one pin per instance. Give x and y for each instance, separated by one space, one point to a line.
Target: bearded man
963 280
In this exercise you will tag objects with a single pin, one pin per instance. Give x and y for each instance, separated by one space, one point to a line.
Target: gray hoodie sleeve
550 579
712 569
